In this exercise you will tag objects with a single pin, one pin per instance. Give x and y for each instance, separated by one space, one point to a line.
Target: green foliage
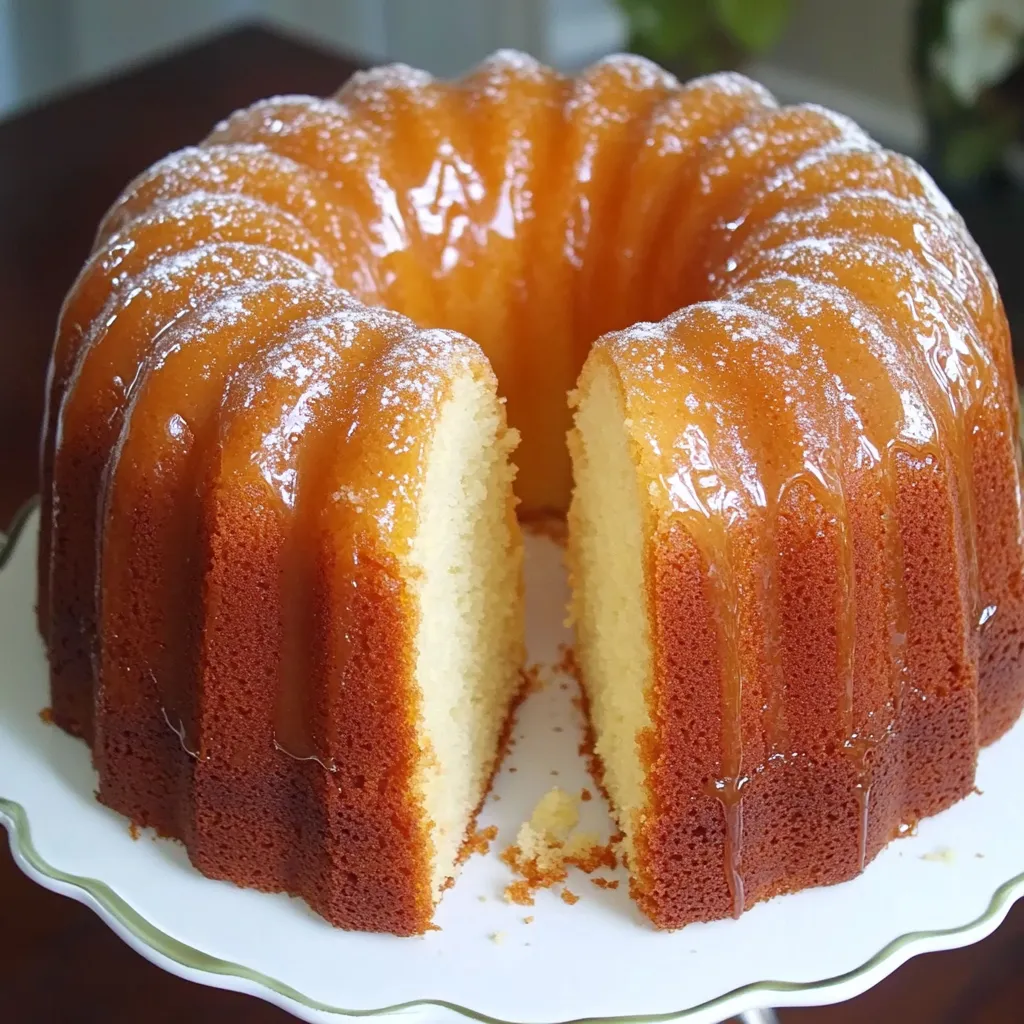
967 143
756 25
668 29
930 27
970 151
704 33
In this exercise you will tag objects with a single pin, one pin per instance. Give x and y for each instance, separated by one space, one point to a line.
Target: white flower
983 45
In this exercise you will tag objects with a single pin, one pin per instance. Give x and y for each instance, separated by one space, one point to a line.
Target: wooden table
60 167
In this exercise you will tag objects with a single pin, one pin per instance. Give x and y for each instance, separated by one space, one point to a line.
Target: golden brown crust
994 467
801 824
85 410
248 812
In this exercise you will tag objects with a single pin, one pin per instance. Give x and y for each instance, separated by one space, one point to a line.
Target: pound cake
280 564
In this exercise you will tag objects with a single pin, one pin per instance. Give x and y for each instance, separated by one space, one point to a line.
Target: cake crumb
520 893
555 815
569 897
528 920
513 770
585 795
134 831
548 844
980 856
605 883
478 842
497 938
554 771
482 898
940 855
46 716
586 852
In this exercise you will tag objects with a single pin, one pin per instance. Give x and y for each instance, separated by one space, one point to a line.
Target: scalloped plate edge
190 963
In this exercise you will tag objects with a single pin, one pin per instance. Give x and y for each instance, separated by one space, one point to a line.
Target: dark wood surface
60 167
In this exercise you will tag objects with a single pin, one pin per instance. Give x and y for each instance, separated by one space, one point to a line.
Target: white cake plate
950 884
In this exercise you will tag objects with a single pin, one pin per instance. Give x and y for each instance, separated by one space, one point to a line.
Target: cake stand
949 884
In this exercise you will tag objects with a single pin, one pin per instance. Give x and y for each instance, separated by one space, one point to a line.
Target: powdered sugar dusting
201 271
637 72
877 213
602 94
230 306
730 83
220 214
273 113
789 192
676 124
511 63
378 87
765 140
497 78
320 133
220 169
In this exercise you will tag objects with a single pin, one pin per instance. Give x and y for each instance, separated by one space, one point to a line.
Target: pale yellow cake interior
467 556
609 606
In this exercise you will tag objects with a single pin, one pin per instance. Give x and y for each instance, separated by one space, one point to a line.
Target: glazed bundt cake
280 565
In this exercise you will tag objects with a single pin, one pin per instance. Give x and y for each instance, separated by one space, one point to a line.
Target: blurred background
852 56
940 79
913 72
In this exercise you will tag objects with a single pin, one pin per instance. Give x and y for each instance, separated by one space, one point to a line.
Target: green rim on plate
152 938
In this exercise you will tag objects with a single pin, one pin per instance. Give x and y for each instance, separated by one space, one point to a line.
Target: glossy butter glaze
826 436
836 486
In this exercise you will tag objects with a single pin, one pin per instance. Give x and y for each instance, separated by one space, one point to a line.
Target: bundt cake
279 572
